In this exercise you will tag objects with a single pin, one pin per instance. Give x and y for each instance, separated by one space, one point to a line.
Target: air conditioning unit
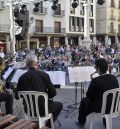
2 5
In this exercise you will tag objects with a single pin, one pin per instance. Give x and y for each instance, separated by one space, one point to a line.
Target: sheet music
80 74
18 65
74 74
7 73
17 75
57 77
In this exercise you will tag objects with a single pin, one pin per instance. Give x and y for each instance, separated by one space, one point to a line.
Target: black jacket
97 87
34 80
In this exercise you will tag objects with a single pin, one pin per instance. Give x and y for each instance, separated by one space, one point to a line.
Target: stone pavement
66 95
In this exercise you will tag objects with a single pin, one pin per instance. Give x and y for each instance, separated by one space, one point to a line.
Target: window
119 4
57 28
112 27
81 9
119 28
58 10
91 25
112 3
39 25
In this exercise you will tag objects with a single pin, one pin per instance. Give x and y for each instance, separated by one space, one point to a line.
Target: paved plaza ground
66 95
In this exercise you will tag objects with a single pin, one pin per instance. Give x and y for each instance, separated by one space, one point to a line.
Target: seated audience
34 80
93 100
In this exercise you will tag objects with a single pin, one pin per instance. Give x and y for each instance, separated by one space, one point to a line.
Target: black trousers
7 98
55 108
86 107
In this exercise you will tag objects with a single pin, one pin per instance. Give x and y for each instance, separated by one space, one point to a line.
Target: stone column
28 42
66 40
38 44
79 41
94 40
7 43
48 40
86 40
106 40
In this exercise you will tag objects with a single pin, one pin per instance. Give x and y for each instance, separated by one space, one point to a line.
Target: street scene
59 64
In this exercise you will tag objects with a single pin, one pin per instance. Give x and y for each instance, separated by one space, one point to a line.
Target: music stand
79 74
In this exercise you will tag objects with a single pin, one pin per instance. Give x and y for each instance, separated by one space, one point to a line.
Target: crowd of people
35 79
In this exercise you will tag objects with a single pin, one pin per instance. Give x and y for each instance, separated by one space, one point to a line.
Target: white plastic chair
115 108
31 114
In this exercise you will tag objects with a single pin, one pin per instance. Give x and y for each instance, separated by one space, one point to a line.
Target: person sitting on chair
34 80
93 100
5 96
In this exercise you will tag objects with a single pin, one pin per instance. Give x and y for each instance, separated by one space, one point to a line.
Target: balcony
4 28
42 11
112 17
59 13
48 30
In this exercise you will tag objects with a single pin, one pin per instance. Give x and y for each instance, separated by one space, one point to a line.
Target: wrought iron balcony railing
42 11
59 13
46 30
4 28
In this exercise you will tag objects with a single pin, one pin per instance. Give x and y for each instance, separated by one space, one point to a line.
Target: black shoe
104 122
80 125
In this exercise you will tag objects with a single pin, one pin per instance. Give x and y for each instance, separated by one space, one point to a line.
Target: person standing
93 100
34 80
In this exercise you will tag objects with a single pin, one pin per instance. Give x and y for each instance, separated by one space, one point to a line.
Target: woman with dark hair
93 100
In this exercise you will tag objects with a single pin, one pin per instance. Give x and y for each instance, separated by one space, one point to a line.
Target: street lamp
11 4
75 3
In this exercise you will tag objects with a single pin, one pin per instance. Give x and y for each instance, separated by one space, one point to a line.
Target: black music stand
74 105
74 71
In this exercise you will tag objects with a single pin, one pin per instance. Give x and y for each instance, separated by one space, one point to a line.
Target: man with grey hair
34 80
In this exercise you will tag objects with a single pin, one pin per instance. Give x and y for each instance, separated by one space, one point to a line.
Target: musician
93 100
5 96
34 80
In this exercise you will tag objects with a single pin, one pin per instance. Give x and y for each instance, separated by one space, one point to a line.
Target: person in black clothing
93 100
34 80
5 96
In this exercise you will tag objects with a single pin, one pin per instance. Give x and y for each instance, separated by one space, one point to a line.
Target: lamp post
11 4
86 40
